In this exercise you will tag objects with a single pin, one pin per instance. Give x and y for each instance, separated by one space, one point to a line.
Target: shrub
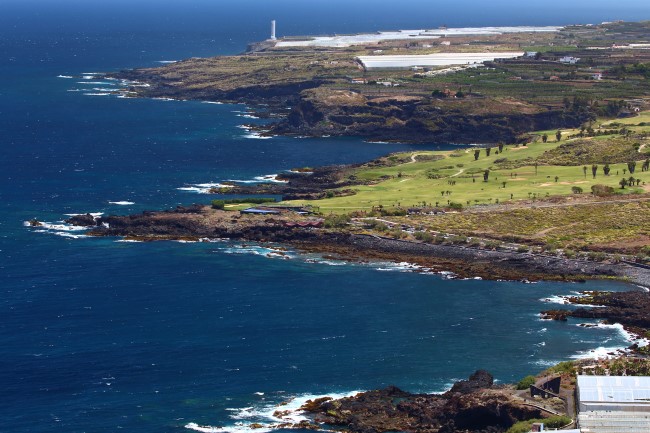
336 221
551 422
576 190
602 190
563 367
423 236
526 382
218 204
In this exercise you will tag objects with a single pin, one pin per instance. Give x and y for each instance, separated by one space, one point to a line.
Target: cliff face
420 119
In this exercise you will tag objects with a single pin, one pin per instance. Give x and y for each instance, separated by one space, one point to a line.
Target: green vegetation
221 204
516 173
553 422
526 382
336 221
564 367
622 366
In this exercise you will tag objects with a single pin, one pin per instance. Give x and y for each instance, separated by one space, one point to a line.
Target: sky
326 15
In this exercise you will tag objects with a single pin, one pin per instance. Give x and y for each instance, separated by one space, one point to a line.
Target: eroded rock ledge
200 221
473 405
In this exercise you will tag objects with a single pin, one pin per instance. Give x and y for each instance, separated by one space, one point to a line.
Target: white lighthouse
273 30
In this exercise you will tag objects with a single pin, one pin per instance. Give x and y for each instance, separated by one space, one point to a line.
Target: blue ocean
100 335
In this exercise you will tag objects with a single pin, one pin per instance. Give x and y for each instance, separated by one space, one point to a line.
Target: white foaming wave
167 61
58 226
247 116
164 99
238 428
203 188
122 202
129 241
271 178
545 362
259 250
102 83
68 235
64 76
401 267
257 136
620 329
556 299
212 102
102 89
97 94
290 413
564 300
447 275
88 77
134 83
599 352
93 214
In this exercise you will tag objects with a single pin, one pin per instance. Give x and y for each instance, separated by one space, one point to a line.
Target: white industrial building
429 60
613 404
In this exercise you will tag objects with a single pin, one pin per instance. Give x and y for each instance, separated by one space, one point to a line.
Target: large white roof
365 38
614 389
438 59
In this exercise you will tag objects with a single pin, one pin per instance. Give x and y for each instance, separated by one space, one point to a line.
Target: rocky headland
473 405
200 221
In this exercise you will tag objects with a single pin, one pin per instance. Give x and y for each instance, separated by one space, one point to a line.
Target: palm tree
631 166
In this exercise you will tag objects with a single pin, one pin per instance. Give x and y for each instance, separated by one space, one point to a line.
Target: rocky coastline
474 405
630 309
200 222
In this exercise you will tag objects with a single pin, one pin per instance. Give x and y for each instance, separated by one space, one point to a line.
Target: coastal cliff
414 119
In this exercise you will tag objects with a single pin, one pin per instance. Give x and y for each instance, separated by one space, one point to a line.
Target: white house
569 60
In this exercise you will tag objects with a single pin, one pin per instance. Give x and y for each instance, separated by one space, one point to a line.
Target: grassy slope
409 184
601 224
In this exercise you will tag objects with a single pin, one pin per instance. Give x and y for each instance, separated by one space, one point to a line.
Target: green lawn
458 177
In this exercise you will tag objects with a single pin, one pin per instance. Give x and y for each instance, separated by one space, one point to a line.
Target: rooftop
614 389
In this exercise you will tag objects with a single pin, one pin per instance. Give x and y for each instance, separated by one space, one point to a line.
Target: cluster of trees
631 167
630 181
620 71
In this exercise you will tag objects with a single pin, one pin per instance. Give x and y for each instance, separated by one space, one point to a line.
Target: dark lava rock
85 220
472 405
479 380
631 309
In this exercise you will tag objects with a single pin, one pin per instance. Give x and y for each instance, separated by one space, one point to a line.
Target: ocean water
98 335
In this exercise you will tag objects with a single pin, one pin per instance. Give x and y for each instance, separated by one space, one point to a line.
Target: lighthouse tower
273 30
